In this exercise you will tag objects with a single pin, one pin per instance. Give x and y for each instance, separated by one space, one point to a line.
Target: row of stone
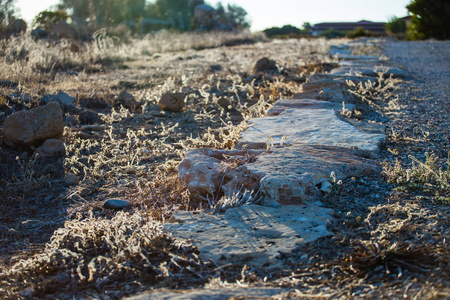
290 158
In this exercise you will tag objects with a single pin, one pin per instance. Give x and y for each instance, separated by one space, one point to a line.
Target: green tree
233 16
48 19
90 15
307 27
396 25
430 19
179 13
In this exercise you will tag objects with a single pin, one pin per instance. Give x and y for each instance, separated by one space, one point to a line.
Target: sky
269 13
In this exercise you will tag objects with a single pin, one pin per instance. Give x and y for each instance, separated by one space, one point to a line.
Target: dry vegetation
57 241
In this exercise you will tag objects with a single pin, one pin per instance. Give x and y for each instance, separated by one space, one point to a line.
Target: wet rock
116 204
172 102
127 100
52 148
29 128
265 65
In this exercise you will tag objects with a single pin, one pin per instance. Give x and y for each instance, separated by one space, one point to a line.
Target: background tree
430 19
179 13
233 16
48 19
396 27
89 15
7 11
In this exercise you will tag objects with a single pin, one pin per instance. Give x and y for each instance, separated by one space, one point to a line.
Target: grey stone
251 234
370 71
356 57
327 78
214 294
307 126
282 105
116 204
65 100
295 174
359 63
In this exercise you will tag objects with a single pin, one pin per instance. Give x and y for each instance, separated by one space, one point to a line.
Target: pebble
115 204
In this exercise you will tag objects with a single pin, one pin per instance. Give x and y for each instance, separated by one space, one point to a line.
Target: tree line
429 19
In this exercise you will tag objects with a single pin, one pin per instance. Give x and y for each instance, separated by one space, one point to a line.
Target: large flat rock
282 105
298 174
370 71
251 234
214 294
347 56
307 126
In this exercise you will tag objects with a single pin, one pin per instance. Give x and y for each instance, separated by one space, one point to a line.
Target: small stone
71 179
87 116
63 99
127 100
70 121
215 68
224 102
52 148
265 65
172 102
115 204
326 187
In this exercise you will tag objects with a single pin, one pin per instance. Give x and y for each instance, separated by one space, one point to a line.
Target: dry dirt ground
57 241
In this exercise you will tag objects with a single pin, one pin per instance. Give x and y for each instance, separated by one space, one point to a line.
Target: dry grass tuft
110 257
380 94
428 177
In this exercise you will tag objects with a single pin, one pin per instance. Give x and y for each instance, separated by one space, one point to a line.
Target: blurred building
374 27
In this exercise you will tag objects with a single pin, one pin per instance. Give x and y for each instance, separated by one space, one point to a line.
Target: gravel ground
426 97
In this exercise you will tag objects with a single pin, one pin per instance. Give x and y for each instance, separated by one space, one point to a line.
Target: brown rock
28 128
127 100
172 102
265 65
52 148
207 171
